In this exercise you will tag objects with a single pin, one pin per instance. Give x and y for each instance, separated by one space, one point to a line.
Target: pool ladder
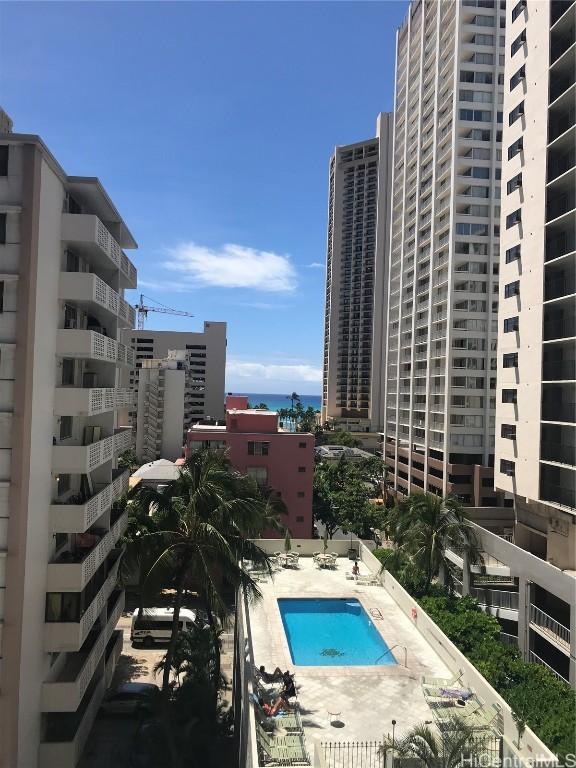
397 645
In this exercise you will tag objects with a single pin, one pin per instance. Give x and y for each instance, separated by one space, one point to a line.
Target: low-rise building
336 452
256 445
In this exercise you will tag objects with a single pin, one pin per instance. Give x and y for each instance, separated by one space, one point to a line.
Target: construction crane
142 310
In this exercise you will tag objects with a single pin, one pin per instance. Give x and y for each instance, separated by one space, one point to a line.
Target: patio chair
335 555
286 750
433 684
484 718
288 721
293 558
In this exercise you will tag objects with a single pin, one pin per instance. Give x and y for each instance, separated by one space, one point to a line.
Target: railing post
524 600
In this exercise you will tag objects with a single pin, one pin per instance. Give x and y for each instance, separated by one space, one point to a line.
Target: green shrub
547 705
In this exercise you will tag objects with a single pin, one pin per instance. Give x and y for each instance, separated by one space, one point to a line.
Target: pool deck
366 698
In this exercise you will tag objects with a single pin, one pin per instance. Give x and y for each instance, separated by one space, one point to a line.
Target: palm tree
438 750
424 526
204 518
294 398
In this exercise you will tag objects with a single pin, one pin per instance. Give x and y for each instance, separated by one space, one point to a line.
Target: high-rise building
356 274
444 252
160 411
535 412
206 357
62 277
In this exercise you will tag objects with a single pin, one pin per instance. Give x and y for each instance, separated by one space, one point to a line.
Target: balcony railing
70 517
496 598
73 570
550 627
90 401
84 287
533 657
563 495
87 230
559 412
562 454
70 635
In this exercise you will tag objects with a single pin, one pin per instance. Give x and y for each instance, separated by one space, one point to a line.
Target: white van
155 626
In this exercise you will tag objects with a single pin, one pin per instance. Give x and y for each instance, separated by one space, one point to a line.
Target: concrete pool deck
367 698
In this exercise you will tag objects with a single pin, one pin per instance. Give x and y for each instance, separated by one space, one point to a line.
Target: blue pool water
332 632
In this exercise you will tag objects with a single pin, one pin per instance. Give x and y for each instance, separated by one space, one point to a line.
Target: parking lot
119 742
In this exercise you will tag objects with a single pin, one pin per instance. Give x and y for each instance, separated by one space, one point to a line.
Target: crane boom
143 309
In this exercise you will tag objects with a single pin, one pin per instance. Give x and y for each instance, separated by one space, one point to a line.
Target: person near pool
289 689
271 677
355 569
275 707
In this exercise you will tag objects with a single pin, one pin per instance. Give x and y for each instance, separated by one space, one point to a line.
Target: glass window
515 148
508 431
517 77
507 467
512 254
258 448
4 159
65 427
514 218
517 112
514 183
260 474
512 289
509 396
510 360
68 372
518 8
511 324
2 228
518 43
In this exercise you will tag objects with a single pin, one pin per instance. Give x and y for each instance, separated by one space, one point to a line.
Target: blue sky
211 126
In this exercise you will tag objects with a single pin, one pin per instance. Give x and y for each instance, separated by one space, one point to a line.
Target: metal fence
482 751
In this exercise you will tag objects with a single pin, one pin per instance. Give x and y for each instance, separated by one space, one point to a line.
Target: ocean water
332 632
274 402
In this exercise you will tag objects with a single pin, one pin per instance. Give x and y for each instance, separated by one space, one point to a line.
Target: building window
517 77
516 113
68 372
260 474
65 427
476 115
63 484
1 295
299 518
301 494
512 254
510 360
301 445
301 469
518 43
518 8
508 431
514 218
515 148
4 160
258 448
514 183
512 289
2 229
507 467
511 324
509 396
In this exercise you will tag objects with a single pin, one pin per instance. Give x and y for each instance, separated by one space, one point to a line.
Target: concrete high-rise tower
357 264
444 254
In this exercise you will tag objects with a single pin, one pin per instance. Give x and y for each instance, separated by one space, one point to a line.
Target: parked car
130 699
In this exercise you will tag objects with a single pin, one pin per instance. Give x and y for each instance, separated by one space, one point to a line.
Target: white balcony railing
90 401
87 288
73 576
65 693
87 231
70 636
77 518
496 598
66 752
81 459
551 628
123 440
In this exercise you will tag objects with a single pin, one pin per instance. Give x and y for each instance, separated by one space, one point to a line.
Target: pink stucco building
256 445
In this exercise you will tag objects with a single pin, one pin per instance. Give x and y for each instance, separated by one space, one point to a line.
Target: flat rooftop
366 698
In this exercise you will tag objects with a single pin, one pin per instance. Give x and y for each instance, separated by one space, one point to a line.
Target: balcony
71 635
87 233
497 601
113 652
91 293
92 345
73 569
66 734
70 517
552 630
558 485
90 401
66 691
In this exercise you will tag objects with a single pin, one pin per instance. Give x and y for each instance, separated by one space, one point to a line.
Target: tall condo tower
356 273
63 275
535 412
444 259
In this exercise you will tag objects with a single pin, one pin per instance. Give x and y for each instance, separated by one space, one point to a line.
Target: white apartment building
160 411
63 272
206 356
444 252
536 394
356 274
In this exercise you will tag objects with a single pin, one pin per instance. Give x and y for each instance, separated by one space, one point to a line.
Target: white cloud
315 265
232 266
276 371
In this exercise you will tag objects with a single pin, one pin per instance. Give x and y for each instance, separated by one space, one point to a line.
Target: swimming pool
332 632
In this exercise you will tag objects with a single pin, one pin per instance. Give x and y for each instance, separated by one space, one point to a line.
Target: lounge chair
432 685
368 581
289 721
286 750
